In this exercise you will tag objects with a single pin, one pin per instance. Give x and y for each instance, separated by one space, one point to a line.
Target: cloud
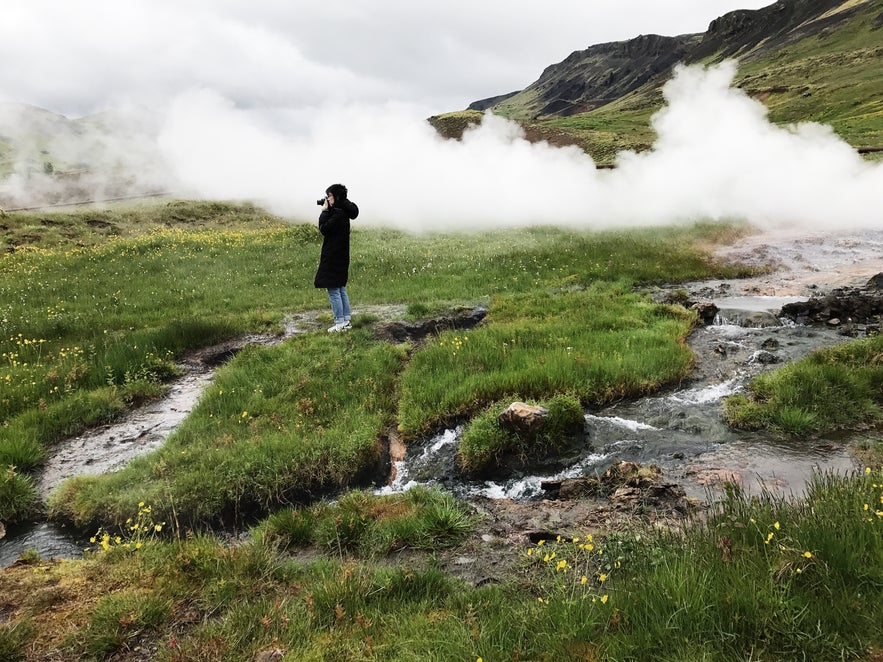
717 156
85 56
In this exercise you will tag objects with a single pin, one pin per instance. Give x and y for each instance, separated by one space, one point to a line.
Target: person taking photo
334 261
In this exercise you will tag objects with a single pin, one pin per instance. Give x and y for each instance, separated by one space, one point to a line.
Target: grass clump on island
598 344
278 424
371 526
832 389
761 577
485 441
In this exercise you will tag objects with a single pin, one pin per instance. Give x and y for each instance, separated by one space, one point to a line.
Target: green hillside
822 69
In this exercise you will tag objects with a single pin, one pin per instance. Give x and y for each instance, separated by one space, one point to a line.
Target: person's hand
325 206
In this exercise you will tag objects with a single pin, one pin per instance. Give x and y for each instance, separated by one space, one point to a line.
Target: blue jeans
340 304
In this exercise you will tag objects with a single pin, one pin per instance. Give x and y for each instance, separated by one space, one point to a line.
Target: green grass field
92 324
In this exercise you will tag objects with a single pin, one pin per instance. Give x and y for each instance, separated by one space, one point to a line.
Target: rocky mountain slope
807 60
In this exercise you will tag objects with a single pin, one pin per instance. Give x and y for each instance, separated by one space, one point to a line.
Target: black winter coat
334 262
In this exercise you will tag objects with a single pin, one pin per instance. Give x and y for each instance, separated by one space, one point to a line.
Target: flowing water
680 429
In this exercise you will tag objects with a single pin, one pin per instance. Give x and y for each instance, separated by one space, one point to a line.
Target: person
334 261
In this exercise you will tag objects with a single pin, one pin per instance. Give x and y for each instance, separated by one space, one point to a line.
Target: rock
714 476
764 358
270 655
848 304
628 486
876 282
2 531
770 344
706 310
523 419
398 332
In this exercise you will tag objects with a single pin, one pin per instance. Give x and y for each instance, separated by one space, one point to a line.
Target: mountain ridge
806 60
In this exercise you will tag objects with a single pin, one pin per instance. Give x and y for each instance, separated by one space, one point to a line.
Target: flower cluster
139 530
585 560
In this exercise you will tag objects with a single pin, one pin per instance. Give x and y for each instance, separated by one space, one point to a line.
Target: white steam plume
717 156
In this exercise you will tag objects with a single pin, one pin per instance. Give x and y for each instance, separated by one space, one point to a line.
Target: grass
18 498
277 425
599 344
89 327
832 389
485 442
761 578
365 576
372 526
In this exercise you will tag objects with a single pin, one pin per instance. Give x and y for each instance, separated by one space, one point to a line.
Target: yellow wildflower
604 599
602 577
583 579
808 555
776 526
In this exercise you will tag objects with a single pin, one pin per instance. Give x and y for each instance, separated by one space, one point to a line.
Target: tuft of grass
118 619
14 638
831 389
371 525
485 443
18 497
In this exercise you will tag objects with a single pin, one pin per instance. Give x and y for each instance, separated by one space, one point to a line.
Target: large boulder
523 419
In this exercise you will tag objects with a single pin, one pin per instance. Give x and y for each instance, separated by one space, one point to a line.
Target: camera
321 201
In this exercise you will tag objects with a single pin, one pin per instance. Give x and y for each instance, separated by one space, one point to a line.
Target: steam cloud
717 156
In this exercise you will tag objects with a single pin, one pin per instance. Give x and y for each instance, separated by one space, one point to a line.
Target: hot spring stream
680 429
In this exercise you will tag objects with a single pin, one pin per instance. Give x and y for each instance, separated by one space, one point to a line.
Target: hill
806 60
47 158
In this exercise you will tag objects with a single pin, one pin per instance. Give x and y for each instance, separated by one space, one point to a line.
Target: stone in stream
523 419
626 485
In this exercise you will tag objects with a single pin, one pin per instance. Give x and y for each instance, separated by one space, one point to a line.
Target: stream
679 429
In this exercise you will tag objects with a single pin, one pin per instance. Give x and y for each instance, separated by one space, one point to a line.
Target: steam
717 156
57 160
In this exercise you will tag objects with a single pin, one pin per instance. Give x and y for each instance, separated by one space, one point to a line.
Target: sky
274 100
80 57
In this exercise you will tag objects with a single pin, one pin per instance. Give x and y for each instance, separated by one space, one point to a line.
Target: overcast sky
77 57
